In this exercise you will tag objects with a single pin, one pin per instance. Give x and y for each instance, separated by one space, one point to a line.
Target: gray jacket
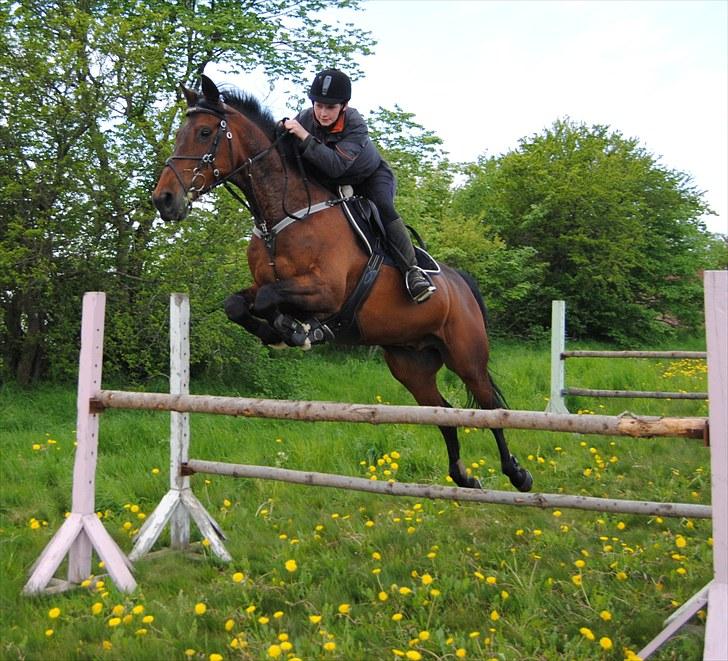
344 155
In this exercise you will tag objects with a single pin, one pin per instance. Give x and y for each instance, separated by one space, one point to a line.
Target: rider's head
330 92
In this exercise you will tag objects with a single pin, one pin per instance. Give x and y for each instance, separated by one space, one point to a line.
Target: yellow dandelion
587 633
330 646
118 610
424 635
140 632
404 591
314 619
114 622
263 619
605 615
460 653
274 651
397 617
344 609
97 608
238 577
291 565
426 579
413 655
383 596
491 580
200 608
148 619
215 657
680 542
494 615
605 643
576 580
107 645
54 613
621 576
138 609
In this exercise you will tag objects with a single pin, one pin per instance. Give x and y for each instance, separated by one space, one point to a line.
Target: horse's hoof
236 307
523 480
461 478
519 476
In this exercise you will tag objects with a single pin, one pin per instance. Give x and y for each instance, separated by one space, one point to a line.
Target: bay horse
306 263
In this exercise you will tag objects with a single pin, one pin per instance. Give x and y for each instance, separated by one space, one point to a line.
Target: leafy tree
87 115
613 232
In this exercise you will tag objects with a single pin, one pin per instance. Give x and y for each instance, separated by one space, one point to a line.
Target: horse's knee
236 308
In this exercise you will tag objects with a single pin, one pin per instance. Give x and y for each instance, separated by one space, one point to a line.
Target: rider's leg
380 189
419 285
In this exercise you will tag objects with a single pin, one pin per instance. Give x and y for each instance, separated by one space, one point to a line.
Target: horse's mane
249 106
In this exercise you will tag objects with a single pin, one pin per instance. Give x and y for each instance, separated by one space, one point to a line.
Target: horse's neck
274 188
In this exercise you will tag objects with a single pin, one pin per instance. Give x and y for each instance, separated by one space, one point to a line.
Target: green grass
506 581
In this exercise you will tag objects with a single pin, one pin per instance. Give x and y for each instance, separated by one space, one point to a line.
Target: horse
306 263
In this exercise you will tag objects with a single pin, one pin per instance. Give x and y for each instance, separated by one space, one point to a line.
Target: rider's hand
292 126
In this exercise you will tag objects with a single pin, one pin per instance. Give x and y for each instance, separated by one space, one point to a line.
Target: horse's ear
210 91
190 95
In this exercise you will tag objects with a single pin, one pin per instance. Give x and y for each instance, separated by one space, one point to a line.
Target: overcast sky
483 74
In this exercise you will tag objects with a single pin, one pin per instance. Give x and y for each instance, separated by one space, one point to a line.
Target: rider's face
327 113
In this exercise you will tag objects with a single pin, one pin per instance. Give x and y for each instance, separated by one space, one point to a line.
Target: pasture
324 574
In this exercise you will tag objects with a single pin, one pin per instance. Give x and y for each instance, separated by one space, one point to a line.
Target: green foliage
614 233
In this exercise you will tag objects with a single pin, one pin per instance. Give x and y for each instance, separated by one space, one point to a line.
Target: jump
307 260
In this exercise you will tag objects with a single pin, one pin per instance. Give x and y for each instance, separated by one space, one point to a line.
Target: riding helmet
330 86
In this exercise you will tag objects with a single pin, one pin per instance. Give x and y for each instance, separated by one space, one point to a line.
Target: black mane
249 106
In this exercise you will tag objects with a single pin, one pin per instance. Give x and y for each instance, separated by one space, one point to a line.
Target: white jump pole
557 403
82 532
179 503
715 594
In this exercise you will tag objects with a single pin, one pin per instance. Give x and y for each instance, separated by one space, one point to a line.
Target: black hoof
519 477
236 307
461 478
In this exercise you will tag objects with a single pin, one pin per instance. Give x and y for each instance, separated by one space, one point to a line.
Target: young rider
335 142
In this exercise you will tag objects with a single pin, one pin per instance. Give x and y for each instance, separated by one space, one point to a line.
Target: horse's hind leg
478 381
416 371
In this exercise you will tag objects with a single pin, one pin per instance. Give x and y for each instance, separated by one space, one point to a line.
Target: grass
326 574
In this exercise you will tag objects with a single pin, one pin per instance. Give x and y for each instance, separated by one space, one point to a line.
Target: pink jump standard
82 532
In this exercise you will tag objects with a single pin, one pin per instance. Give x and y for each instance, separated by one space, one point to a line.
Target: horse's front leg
293 305
238 308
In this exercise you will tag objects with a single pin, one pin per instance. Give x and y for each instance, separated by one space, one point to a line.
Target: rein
263 229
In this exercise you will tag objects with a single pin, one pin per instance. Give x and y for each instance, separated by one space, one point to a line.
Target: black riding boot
418 283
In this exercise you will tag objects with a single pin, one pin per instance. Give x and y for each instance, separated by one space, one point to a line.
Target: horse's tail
473 286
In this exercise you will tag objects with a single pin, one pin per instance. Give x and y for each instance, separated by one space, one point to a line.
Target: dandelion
494 615
189 652
413 655
49 633
138 609
397 617
680 542
54 613
621 525
215 657
155 471
330 646
148 619
383 596
97 608
491 580
274 651
576 580
107 645
621 576
238 577
291 566
200 608
263 619
556 513
460 653
504 594
314 619
424 635
118 610
140 632
426 579
344 609
580 564
605 643
114 622
605 615
587 633
435 592
404 591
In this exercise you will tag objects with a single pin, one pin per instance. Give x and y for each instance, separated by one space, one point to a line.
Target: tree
615 233
87 113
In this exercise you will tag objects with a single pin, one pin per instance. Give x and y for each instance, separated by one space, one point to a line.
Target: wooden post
82 532
179 503
715 594
557 404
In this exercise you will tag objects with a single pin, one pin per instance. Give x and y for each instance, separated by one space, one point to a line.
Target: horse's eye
205 132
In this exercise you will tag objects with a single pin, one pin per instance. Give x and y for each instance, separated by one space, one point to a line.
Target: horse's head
203 153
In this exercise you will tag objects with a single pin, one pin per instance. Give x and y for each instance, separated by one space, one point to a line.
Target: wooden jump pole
559 354
437 492
626 425
82 532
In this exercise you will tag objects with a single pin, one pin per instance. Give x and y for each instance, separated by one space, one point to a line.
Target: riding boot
418 283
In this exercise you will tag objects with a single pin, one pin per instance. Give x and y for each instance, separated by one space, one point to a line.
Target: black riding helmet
330 86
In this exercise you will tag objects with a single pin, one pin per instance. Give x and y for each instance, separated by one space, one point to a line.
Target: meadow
326 574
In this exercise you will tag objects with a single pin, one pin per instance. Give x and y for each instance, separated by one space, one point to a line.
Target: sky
482 74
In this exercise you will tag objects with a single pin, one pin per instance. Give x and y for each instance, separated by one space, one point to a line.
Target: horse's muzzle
171 206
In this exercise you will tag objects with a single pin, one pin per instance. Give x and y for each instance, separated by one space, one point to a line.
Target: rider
335 141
